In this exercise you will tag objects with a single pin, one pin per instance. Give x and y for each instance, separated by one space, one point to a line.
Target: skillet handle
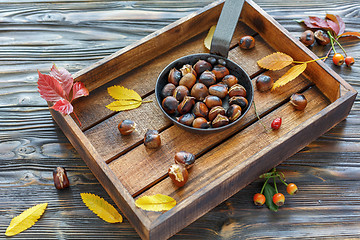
225 27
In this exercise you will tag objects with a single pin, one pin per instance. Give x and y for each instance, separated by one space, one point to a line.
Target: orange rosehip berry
279 199
349 61
259 199
291 189
338 59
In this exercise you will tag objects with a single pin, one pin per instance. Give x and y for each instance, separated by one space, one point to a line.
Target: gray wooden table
75 34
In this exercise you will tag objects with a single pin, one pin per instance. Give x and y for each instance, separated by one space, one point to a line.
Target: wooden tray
227 161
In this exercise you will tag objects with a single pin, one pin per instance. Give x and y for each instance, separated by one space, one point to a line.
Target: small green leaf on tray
269 192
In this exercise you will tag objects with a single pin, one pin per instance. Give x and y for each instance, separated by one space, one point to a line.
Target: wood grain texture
75 34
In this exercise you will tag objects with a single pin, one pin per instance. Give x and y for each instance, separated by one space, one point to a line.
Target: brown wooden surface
74 35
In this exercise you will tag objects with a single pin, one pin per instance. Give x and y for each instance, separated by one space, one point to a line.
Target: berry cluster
277 198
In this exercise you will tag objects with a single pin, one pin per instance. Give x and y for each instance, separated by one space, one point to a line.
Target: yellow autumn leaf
157 203
290 75
275 61
101 208
122 93
127 99
209 37
123 105
25 220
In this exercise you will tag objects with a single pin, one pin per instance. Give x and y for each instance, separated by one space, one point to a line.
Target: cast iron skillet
219 49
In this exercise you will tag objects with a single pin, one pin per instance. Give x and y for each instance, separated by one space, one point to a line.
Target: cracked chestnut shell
237 90
233 112
216 111
178 174
321 37
174 76
180 92
187 68
200 110
220 121
61 180
239 100
185 158
186 105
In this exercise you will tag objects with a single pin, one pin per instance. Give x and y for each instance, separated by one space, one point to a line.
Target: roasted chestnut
298 101
220 71
126 127
239 100
186 105
201 122
187 68
220 121
199 91
212 101
170 104
207 78
178 174
264 83
186 119
180 92
212 60
152 139
216 111
321 37
230 80
188 80
220 90
307 38
200 110
168 90
237 90
174 76
221 61
185 158
247 42
202 65
233 112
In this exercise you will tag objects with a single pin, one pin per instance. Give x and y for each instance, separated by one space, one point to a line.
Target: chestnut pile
204 95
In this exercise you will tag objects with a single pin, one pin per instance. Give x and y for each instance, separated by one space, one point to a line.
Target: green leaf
269 192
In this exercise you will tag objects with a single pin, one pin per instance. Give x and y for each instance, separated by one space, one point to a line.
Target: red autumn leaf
316 22
79 90
63 106
64 77
338 20
333 26
350 34
49 88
